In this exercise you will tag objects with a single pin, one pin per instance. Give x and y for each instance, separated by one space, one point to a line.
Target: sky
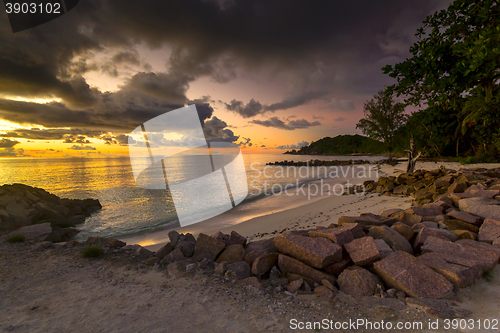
267 75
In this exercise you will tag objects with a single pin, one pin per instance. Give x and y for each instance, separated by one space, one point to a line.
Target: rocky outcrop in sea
39 215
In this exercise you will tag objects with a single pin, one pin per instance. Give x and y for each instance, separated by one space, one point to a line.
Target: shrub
16 239
469 160
92 251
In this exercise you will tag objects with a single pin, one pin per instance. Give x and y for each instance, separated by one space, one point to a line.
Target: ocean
129 210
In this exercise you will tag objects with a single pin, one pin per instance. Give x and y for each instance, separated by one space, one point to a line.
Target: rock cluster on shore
448 240
315 163
40 215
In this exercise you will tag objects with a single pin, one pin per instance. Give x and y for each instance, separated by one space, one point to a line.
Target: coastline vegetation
16 239
92 251
452 81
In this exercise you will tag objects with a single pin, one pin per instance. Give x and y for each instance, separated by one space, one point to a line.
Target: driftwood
412 156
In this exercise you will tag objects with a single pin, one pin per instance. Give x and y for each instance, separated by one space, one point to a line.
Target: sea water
129 210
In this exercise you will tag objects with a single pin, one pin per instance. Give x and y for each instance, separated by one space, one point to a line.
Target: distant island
342 145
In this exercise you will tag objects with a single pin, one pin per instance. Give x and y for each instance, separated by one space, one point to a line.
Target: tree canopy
382 117
454 75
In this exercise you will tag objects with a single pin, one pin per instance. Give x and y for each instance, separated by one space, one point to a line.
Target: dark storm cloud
6 143
75 139
127 58
11 152
296 100
254 107
249 110
290 126
48 134
215 130
321 46
75 147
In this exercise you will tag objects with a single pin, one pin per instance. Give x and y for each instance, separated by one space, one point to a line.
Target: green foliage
343 145
16 238
455 70
468 160
92 251
383 117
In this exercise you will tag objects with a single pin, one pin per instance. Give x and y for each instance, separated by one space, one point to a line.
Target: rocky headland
40 215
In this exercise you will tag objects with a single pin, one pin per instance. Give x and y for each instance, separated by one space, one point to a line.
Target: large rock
484 207
186 243
316 252
459 271
383 248
367 220
338 267
462 250
489 231
231 254
173 236
221 237
481 246
258 248
295 285
363 251
411 219
464 216
7 200
338 235
390 212
457 187
425 211
459 225
357 281
236 238
17 210
465 234
288 264
207 247
265 263
239 270
443 181
355 228
325 292
427 232
480 191
404 230
164 250
406 273
111 242
391 237
38 232
174 256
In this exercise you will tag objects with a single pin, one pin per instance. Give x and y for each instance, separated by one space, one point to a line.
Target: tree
455 68
383 116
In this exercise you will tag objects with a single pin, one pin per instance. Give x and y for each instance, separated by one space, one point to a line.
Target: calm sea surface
127 209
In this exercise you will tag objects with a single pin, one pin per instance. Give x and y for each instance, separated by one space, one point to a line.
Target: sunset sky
268 75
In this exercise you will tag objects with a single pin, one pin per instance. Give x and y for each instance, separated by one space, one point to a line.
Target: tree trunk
412 156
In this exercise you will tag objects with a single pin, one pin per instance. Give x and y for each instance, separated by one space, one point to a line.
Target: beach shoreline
296 212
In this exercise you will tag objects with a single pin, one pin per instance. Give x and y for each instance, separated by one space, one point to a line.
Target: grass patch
488 275
92 251
16 239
